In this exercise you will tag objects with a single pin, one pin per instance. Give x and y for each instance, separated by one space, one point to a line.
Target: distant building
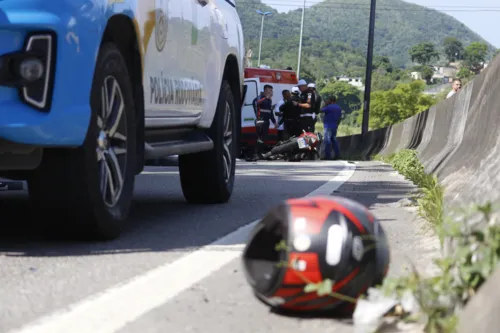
440 78
416 75
353 81
444 74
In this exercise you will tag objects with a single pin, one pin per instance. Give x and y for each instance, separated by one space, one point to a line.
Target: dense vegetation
408 38
334 29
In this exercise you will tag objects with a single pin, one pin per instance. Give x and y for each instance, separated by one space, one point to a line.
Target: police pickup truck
90 90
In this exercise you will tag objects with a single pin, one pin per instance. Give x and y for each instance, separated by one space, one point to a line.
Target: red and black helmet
305 241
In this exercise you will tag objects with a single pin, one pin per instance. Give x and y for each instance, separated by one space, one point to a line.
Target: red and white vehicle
255 79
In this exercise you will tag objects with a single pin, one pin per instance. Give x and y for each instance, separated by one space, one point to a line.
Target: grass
431 194
475 256
343 130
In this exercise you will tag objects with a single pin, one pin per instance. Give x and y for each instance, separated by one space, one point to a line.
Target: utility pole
264 14
300 42
369 66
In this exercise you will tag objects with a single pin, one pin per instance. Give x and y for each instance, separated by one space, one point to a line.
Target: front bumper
53 110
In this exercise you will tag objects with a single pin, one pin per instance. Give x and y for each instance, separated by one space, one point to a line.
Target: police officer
317 105
291 113
296 116
306 105
262 105
296 94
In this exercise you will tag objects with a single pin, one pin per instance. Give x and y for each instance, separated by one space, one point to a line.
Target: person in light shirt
306 104
455 87
317 104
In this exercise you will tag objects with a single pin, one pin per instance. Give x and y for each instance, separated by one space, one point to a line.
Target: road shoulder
223 302
388 195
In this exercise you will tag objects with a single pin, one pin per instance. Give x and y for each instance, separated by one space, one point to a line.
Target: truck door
247 112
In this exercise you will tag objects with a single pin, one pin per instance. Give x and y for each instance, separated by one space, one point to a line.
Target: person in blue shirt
331 121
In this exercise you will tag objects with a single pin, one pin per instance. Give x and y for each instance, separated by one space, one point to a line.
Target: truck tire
208 177
87 191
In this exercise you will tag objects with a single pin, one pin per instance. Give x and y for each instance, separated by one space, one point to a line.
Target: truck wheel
208 177
87 191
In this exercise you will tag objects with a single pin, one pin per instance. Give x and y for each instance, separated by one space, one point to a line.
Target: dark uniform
306 114
291 117
263 115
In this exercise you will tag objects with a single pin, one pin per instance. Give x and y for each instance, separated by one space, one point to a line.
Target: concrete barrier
451 117
408 127
482 312
418 132
384 139
457 127
377 141
394 135
427 131
439 135
474 168
458 140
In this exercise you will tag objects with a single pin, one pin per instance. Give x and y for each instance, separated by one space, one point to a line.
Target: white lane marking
117 306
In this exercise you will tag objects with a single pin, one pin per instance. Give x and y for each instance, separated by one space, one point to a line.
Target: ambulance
255 80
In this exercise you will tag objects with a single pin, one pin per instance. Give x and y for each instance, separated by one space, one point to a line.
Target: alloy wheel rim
227 144
111 141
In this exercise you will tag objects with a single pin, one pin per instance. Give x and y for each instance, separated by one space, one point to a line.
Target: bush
430 201
392 106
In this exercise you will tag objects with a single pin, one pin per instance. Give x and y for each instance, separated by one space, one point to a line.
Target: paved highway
177 268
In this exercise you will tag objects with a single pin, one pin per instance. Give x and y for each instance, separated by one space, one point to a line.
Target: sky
481 16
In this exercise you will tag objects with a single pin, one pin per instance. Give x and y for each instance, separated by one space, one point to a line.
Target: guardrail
458 140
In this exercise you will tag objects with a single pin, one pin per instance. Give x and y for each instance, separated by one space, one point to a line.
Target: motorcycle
297 148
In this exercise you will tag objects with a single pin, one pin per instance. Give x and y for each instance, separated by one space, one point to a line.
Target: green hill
335 33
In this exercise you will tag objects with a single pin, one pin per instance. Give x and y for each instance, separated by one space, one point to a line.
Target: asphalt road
177 267
41 277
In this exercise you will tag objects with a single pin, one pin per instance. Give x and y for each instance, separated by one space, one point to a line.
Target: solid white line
117 306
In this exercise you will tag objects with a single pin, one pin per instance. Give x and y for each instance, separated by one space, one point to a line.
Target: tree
393 106
464 73
382 82
426 72
348 97
351 119
306 75
389 81
401 75
475 55
453 49
382 64
423 53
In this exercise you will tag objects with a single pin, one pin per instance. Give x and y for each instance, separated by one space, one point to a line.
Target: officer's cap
295 90
311 85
